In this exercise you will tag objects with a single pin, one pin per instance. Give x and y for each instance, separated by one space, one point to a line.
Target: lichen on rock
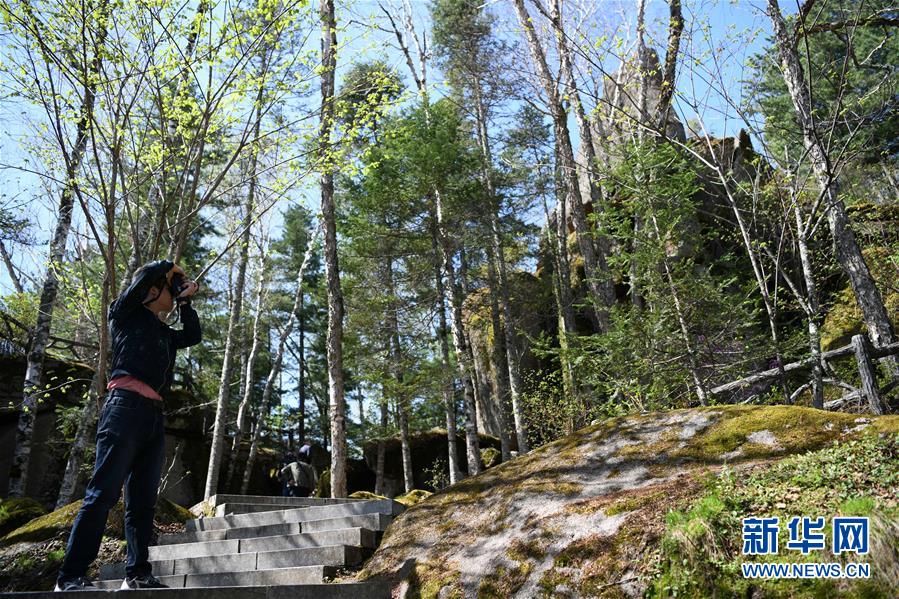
584 516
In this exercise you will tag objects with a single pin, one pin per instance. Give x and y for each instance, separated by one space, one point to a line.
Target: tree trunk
587 169
247 389
449 400
846 247
593 264
380 487
440 239
499 361
406 447
10 268
85 435
483 385
699 386
812 309
231 340
301 434
337 401
457 324
562 287
500 290
397 367
278 359
34 370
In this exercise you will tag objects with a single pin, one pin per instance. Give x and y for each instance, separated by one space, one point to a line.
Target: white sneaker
79 584
142 582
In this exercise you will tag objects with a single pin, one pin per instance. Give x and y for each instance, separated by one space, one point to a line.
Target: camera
179 284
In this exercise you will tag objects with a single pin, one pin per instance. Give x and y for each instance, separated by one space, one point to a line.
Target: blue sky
738 28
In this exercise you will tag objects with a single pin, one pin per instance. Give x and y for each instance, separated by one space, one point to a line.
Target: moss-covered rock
490 457
585 516
49 525
844 318
17 511
413 497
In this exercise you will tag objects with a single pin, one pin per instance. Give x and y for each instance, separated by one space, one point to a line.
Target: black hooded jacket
142 345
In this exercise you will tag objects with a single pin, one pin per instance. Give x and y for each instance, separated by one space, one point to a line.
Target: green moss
490 457
61 520
46 526
429 581
366 495
408 499
795 430
168 512
16 512
505 582
590 564
844 319
413 497
630 504
323 487
508 580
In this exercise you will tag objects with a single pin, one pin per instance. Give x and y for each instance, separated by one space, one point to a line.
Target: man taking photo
131 429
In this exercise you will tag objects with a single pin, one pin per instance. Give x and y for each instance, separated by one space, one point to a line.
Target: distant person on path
283 474
131 430
301 478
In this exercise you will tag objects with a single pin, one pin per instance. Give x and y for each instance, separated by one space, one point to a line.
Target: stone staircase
266 548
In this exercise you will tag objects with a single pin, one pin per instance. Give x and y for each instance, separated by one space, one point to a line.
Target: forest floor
651 505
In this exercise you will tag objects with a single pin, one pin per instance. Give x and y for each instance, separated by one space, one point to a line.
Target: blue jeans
130 451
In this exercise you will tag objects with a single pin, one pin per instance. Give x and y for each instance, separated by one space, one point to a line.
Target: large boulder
590 512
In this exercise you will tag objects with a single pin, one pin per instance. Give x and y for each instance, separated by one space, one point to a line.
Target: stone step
230 498
359 537
228 509
279 576
217 500
357 590
319 512
375 522
331 555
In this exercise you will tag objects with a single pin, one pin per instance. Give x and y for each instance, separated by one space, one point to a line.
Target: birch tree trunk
472 444
301 433
561 279
231 340
278 361
87 423
337 401
812 310
699 386
40 335
247 389
449 400
403 419
441 241
846 247
10 268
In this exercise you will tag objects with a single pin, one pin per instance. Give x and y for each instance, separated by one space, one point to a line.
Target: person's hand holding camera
182 287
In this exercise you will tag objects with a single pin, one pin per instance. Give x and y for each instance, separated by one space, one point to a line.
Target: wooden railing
865 353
